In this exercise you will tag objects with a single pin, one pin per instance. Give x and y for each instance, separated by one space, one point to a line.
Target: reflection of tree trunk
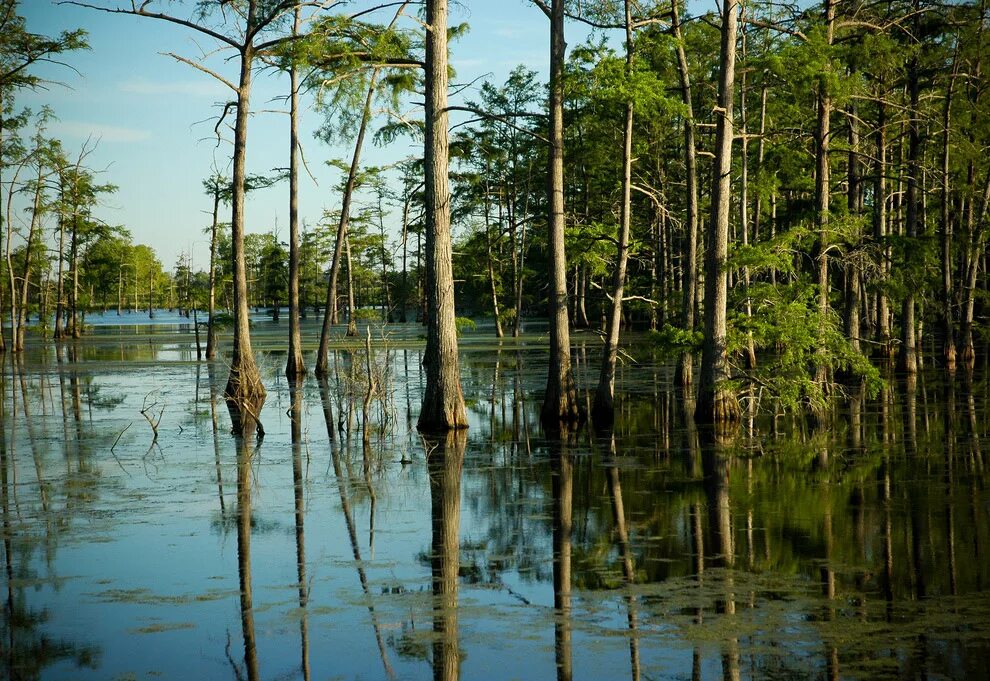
244 451
562 472
445 463
716 470
625 552
950 481
295 390
215 425
345 505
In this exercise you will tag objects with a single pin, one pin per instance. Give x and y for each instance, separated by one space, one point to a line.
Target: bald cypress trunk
294 366
244 393
602 410
443 402
560 403
690 273
330 310
716 402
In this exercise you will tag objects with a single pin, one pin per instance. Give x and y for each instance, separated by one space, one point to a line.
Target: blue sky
153 115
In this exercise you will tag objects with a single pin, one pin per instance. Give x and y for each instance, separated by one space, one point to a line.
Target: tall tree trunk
948 325
211 332
443 402
750 352
976 234
59 331
76 331
351 306
908 360
294 366
330 311
716 402
602 410
245 394
690 274
560 403
854 203
822 198
499 333
881 229
22 305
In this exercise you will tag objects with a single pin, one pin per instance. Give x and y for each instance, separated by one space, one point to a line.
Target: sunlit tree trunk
244 393
907 359
443 402
330 310
211 332
716 402
560 403
295 366
602 411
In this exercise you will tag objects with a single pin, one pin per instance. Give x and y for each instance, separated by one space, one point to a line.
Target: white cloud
189 88
97 131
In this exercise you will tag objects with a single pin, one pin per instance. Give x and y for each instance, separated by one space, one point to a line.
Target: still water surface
330 551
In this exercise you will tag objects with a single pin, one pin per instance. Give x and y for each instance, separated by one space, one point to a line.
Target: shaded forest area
795 196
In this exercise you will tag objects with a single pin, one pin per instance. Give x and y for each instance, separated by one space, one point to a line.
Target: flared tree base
718 406
245 396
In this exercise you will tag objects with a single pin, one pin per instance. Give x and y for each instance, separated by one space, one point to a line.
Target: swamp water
857 552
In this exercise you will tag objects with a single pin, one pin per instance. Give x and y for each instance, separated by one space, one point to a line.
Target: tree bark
443 402
294 366
822 198
602 413
330 311
211 349
244 393
560 403
948 325
908 359
716 402
684 376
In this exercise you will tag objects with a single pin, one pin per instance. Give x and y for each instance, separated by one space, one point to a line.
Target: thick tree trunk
245 394
330 310
716 402
294 366
443 402
684 376
602 411
560 403
445 465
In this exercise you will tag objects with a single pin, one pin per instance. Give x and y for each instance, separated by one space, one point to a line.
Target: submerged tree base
245 396
718 406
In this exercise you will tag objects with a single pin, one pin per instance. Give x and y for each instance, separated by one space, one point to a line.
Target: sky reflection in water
856 552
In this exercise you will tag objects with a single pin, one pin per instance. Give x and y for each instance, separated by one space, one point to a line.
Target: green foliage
464 324
797 340
672 341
